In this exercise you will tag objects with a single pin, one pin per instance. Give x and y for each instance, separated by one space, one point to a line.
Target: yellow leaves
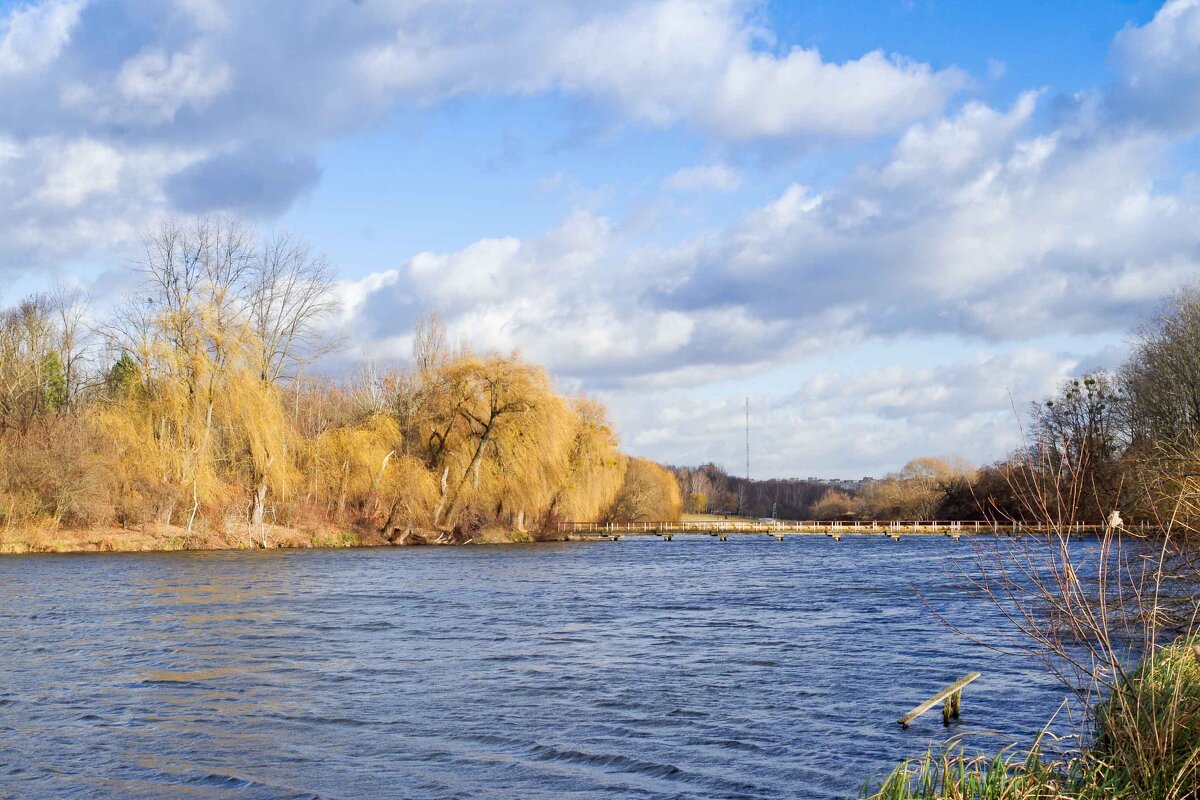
649 493
596 467
408 485
345 461
254 431
194 434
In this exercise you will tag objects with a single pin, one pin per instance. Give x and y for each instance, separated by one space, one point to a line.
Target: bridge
835 529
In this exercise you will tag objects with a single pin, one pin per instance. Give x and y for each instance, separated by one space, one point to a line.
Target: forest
190 416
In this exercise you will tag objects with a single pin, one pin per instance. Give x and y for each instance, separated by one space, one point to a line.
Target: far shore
172 538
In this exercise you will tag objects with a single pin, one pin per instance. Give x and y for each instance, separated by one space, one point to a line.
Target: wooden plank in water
950 690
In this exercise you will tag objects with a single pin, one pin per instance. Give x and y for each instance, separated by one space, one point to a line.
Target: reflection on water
750 668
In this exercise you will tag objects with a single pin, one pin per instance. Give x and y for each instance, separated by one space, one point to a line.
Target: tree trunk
437 512
472 469
389 526
379 480
258 500
342 488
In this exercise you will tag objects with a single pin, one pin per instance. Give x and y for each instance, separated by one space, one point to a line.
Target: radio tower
747 439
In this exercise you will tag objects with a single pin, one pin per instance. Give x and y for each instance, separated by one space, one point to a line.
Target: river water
636 669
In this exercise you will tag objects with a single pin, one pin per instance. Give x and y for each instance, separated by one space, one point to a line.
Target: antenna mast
747 438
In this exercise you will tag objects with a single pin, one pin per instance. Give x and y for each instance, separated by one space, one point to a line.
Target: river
635 669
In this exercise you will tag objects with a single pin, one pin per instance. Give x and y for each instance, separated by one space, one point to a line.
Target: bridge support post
950 697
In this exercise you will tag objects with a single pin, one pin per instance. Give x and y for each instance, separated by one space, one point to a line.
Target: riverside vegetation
1116 622
185 419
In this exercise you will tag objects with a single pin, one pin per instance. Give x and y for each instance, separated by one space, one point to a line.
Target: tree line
192 405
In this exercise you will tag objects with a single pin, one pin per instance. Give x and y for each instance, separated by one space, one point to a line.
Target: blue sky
887 223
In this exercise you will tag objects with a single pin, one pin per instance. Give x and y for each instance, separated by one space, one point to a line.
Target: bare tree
429 343
70 310
28 339
1162 376
290 293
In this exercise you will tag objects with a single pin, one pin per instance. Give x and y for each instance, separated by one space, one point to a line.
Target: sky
889 224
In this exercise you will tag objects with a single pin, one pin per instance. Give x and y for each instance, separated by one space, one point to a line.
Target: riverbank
1146 744
159 537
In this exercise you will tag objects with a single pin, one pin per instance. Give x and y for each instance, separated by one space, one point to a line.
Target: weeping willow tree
255 442
595 468
346 465
198 415
648 493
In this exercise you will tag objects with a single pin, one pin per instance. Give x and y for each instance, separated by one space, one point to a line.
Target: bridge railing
950 527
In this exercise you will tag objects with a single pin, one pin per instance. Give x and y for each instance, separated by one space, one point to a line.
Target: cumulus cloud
849 422
33 36
661 62
976 226
697 61
158 84
1158 77
210 80
62 194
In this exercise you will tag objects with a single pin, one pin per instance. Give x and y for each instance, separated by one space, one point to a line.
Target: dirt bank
156 537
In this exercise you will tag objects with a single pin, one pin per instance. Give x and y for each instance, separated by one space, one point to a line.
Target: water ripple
644 669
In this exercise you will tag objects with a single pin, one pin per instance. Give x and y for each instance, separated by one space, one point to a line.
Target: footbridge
835 529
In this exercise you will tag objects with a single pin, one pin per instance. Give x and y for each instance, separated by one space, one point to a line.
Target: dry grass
1146 747
1117 624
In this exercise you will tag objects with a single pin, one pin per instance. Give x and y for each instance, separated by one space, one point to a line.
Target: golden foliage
649 493
198 419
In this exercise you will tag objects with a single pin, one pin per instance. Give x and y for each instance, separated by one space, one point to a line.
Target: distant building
845 484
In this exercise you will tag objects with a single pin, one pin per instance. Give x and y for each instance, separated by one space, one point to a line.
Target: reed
1115 622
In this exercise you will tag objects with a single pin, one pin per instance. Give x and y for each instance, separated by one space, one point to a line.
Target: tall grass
1147 734
952 775
1116 623
1145 746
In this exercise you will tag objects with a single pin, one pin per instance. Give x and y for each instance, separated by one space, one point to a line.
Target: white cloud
847 422
205 77
709 176
161 84
1158 72
69 195
77 171
663 62
799 94
33 36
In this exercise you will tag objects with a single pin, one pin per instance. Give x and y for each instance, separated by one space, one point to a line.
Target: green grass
1148 731
1146 747
951 775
